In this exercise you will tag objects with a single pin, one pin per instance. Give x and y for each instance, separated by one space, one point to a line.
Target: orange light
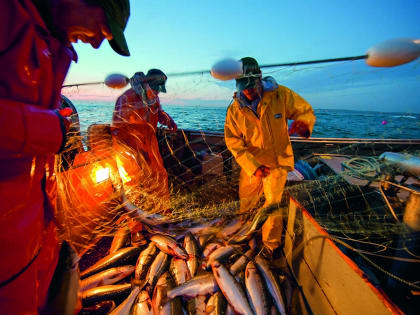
101 174
121 170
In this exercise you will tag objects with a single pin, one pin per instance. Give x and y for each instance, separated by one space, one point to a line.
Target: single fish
231 228
143 305
271 283
241 262
121 238
158 267
64 287
199 285
100 308
141 215
193 251
231 289
211 247
109 276
216 304
248 229
123 256
257 295
144 261
179 271
125 307
169 246
160 302
106 292
221 254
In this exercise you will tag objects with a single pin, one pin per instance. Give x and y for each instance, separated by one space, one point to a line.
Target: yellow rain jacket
262 138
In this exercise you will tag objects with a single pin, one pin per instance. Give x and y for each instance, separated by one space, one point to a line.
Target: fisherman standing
134 124
36 52
256 133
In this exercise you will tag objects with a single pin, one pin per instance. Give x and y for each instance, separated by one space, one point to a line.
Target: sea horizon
333 123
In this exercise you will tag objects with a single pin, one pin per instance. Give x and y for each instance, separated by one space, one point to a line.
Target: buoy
393 52
116 81
226 69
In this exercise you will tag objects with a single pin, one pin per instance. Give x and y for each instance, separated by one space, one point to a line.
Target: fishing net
349 191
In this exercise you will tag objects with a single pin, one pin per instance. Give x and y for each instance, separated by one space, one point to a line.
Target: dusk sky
178 36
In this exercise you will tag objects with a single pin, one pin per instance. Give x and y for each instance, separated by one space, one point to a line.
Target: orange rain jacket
264 140
33 66
134 124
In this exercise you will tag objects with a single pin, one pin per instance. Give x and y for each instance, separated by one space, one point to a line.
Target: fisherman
256 134
36 52
134 124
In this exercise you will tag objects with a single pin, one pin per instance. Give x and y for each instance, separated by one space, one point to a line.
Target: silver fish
141 215
216 304
241 262
221 254
179 271
231 228
199 285
271 283
211 247
121 257
143 305
256 223
158 267
193 250
255 289
120 239
106 292
169 246
231 289
125 307
144 261
160 302
109 276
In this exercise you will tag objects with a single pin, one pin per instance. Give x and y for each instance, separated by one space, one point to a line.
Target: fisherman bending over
134 124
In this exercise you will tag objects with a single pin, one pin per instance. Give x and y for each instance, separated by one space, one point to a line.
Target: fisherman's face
76 20
252 93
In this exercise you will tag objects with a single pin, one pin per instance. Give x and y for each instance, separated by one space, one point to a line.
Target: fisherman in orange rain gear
256 133
36 52
134 124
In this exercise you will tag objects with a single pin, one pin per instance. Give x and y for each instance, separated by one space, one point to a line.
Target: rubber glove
262 171
300 128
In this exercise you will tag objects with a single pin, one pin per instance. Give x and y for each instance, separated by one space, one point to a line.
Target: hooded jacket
261 137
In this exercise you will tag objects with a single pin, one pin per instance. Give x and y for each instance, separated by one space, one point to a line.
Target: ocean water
330 123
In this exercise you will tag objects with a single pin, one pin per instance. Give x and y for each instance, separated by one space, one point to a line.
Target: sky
178 36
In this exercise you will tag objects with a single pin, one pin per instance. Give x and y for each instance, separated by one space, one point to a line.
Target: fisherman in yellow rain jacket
257 135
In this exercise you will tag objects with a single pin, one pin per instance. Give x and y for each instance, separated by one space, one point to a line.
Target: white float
226 69
116 81
393 52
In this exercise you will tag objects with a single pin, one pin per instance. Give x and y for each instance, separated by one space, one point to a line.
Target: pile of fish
203 269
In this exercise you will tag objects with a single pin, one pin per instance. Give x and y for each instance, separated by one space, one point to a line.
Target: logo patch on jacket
279 115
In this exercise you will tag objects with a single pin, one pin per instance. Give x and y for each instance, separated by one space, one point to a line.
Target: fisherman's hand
65 122
262 171
300 128
172 126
